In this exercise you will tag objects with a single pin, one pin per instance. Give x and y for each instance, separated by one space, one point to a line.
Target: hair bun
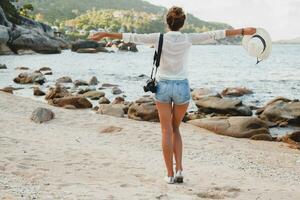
176 12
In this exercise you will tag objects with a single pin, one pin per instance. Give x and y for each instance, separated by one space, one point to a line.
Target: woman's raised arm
242 31
101 35
151 38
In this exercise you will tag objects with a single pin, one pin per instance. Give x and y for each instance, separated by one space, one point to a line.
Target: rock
7 90
85 44
193 116
70 107
29 78
107 85
85 90
118 100
80 83
45 69
239 127
104 100
38 92
115 110
293 139
77 102
281 111
93 81
2 66
21 68
116 90
128 47
223 106
57 92
94 95
87 50
143 110
48 73
199 93
64 79
41 115
236 91
33 38
264 137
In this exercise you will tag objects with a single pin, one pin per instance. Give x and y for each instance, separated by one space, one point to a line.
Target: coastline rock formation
29 35
281 110
144 109
239 127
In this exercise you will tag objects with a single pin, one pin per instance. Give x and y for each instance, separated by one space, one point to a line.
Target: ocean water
210 66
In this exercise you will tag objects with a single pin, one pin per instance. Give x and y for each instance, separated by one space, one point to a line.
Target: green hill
68 9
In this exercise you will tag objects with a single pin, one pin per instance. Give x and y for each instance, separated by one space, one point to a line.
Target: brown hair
175 18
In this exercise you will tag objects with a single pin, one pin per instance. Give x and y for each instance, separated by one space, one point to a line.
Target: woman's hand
98 36
249 31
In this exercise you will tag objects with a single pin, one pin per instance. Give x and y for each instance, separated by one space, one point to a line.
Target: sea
214 67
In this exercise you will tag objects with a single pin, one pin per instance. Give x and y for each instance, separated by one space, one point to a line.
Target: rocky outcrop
38 92
128 47
3 66
29 35
144 109
236 91
115 110
199 93
281 110
73 101
293 139
223 106
57 92
29 78
239 127
64 79
89 46
116 90
104 100
41 115
93 81
94 95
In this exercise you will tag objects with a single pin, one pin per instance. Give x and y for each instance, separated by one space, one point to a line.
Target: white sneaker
178 177
169 179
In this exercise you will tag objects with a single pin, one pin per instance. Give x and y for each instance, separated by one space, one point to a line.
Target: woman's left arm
242 31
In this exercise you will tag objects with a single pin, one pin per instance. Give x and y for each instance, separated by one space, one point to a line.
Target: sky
281 18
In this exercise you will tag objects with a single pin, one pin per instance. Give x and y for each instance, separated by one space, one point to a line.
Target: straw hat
258 45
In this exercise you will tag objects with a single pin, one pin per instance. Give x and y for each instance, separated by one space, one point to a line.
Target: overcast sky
280 17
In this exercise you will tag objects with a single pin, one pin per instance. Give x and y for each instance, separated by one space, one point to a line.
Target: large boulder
74 101
57 92
144 109
3 66
224 106
281 110
41 115
115 110
239 127
4 35
236 91
199 93
85 44
64 79
94 95
29 78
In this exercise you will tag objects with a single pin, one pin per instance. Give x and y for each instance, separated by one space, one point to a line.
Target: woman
173 91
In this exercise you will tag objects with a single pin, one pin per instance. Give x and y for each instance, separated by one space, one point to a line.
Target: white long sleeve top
176 46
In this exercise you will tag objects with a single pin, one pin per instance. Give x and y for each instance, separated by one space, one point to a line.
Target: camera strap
157 56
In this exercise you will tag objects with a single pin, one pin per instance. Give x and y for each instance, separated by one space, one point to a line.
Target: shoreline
68 157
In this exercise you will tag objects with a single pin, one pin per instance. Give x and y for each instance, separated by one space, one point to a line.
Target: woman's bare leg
178 114
165 116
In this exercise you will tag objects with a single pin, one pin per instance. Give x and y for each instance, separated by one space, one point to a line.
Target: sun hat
258 45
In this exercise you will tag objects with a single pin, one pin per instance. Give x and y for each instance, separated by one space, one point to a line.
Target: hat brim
264 34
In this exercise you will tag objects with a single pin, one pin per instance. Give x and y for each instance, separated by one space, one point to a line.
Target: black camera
150 86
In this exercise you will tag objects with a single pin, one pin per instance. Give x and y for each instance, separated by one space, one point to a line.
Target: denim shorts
173 91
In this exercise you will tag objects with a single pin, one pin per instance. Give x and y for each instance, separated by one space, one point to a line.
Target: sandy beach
83 155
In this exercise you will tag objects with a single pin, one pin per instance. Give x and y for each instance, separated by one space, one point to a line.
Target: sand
83 155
